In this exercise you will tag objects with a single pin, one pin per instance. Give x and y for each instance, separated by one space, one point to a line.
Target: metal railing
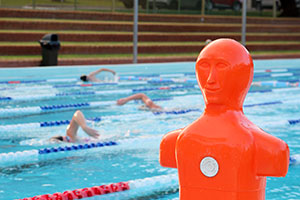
146 6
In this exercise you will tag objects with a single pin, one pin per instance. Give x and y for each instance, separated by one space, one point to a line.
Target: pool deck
92 61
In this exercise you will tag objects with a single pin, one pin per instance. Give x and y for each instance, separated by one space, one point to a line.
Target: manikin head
224 71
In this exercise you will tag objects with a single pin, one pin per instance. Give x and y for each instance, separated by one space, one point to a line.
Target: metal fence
145 6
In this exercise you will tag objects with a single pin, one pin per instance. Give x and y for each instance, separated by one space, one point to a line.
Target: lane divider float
20 111
103 92
24 126
133 188
128 91
123 190
79 149
276 72
276 84
23 157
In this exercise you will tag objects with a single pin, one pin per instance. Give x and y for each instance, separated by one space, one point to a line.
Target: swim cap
84 78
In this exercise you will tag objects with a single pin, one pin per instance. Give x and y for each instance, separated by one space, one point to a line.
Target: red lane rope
83 193
164 88
14 82
86 85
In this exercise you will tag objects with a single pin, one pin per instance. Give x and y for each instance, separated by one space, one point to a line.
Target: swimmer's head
84 78
224 71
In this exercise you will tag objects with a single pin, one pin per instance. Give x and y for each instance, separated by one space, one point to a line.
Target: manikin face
224 71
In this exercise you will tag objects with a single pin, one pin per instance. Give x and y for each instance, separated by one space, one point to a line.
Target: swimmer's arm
272 155
91 132
130 98
167 157
101 70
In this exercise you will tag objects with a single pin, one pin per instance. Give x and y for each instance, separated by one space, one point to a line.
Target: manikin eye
222 66
204 65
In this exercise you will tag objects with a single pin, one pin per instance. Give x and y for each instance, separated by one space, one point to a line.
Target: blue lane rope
13 158
82 85
263 104
294 121
162 88
22 157
64 122
56 107
76 147
276 84
97 119
103 92
177 112
12 112
29 156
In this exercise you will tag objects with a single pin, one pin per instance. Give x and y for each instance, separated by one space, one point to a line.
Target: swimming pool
33 96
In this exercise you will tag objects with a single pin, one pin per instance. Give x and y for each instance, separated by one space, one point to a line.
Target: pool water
138 131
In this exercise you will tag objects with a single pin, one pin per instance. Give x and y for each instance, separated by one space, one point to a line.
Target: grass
96 56
275 52
75 21
192 43
21 3
106 43
129 56
140 33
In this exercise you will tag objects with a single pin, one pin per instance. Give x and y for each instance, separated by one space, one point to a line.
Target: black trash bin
50 46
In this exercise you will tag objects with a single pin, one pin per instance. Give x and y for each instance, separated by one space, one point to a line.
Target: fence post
274 8
154 6
203 8
33 4
75 4
113 5
244 15
135 31
179 5
147 6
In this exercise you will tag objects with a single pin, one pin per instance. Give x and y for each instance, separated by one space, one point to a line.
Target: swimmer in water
149 104
78 120
92 76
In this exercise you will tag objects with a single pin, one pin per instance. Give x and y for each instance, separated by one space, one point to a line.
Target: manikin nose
212 78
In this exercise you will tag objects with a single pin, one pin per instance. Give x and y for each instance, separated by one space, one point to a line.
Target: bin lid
50 38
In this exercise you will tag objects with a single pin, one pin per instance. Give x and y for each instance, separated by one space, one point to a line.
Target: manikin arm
167 157
272 155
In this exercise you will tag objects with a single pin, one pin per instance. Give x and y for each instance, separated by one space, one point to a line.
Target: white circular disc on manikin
209 166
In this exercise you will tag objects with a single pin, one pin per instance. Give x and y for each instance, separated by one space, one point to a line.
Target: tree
289 8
